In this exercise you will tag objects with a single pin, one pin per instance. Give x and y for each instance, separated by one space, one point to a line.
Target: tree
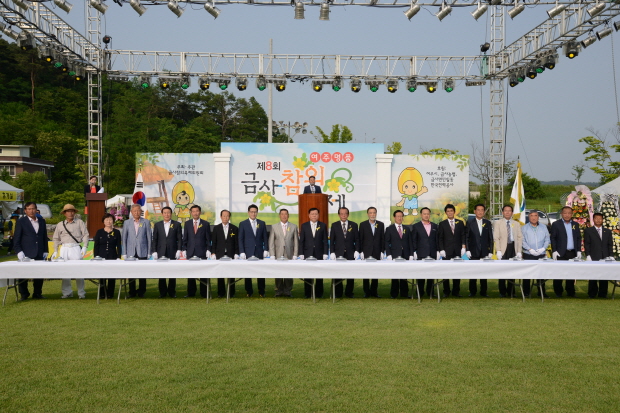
6 176
531 186
598 151
480 168
336 135
578 172
395 148
35 185
438 151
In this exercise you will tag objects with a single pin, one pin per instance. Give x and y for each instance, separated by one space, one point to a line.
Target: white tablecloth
316 269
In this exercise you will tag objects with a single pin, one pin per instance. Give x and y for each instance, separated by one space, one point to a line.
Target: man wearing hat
68 235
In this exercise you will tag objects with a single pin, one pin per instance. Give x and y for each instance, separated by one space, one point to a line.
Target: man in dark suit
372 244
167 242
344 242
30 240
424 244
225 243
479 244
451 244
312 188
91 186
565 245
313 243
397 244
598 244
196 243
253 242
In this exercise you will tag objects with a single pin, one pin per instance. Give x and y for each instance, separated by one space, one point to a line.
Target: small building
16 159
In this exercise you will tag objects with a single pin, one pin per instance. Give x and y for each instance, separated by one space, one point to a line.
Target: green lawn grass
290 355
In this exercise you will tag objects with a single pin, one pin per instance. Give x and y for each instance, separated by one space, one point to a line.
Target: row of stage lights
337 84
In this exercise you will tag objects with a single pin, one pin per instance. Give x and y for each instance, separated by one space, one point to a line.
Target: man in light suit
313 243
167 242
136 242
225 243
253 241
479 244
451 244
397 244
598 244
284 241
508 240
312 188
30 240
344 241
565 245
196 243
372 244
424 244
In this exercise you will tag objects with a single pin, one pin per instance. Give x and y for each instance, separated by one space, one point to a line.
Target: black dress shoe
173 296
261 295
393 298
484 295
472 295
162 296
445 296
24 297
131 295
307 296
367 295
502 296
457 295
351 295
141 295
38 297
221 296
189 296
249 295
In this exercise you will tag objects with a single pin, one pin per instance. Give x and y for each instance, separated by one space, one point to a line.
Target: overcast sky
546 116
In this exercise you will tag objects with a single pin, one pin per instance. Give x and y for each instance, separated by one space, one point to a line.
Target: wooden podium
307 201
96 209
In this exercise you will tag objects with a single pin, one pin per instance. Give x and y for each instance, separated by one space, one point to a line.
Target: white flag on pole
517 197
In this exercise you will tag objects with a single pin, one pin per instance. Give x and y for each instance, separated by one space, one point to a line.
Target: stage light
60 61
539 66
107 39
164 83
373 85
412 85
145 81
317 85
513 80
204 83
242 83
603 33
8 32
485 47
443 11
516 10
337 84
588 41
98 5
80 73
550 62
280 85
299 11
356 85
186 82
448 85
63 5
222 83
431 87
45 53
212 10
67 67
261 83
392 85
22 3
324 12
596 9
139 8
521 75
617 26
571 49
174 7
482 8
531 72
412 11
559 8
25 41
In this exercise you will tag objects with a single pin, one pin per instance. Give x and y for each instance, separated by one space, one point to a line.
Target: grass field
289 355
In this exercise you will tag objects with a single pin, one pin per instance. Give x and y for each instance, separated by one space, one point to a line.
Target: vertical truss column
93 27
497 113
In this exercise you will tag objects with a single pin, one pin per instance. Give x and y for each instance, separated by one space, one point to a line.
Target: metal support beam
95 155
497 113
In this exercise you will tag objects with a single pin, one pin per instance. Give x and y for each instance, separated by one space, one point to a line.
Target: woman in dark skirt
108 246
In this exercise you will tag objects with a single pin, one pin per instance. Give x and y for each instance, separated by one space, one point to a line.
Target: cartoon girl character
183 197
411 185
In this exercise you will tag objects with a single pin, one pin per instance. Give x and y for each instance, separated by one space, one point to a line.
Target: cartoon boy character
183 197
411 185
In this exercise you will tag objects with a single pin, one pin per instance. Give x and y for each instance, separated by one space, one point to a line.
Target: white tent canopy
124 198
612 187
10 198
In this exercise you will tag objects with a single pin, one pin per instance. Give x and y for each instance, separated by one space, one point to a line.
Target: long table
237 269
